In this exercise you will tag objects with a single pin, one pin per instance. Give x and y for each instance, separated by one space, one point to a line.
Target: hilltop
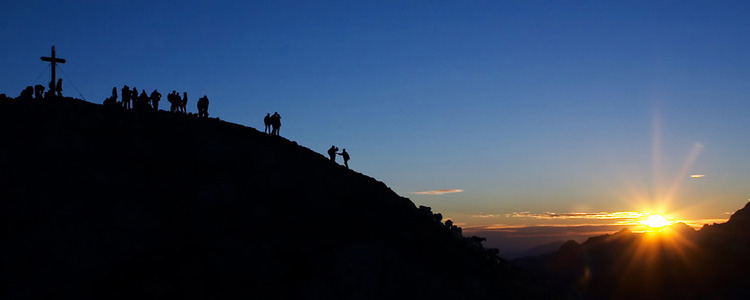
106 203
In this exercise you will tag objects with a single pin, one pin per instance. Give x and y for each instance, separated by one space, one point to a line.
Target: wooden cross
54 60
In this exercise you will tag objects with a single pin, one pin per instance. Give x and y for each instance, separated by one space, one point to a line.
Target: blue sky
526 106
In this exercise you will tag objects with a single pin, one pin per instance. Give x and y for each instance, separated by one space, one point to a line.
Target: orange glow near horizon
656 221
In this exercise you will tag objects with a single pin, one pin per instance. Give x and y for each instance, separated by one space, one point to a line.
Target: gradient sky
527 107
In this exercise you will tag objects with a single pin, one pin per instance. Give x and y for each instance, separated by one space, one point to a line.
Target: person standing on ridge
203 107
114 94
134 96
143 101
155 97
267 122
59 87
38 92
332 153
275 123
183 103
126 97
346 157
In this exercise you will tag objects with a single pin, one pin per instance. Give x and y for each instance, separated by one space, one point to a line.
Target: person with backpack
346 157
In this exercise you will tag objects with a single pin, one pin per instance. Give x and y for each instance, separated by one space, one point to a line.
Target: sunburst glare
656 221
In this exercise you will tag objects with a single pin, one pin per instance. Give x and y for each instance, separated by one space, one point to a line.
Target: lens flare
656 221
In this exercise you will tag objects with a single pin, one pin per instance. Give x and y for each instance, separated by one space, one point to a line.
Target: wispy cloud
615 216
481 215
697 176
438 192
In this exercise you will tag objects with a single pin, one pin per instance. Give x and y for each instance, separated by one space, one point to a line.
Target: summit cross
54 60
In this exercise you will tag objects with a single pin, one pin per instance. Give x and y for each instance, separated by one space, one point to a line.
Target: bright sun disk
656 221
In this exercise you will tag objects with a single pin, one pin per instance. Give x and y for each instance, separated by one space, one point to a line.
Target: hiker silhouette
332 153
345 156
59 87
267 122
174 103
38 92
275 123
114 93
202 107
155 97
142 102
183 103
134 96
126 97
27 93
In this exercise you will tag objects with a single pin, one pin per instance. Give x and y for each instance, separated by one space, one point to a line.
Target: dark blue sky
539 106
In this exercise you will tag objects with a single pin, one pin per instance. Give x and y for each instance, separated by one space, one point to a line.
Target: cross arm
53 59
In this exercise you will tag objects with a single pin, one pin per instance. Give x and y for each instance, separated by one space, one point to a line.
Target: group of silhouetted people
273 123
151 102
332 154
139 102
177 104
37 91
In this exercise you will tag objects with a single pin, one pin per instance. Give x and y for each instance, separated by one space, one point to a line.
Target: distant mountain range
104 203
676 263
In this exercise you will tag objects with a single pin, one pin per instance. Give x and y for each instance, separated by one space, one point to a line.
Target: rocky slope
106 203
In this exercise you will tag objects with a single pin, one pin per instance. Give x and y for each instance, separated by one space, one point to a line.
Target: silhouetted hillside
105 203
677 263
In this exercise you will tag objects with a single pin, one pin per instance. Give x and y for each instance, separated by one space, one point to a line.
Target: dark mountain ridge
106 203
676 263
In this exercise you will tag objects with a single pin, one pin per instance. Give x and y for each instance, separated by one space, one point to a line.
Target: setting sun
656 221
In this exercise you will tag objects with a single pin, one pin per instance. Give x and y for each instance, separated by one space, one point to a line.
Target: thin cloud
615 216
697 176
484 216
438 192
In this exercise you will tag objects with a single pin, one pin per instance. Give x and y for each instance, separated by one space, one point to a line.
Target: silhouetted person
38 92
126 97
267 122
332 153
111 101
114 94
275 123
50 94
27 93
346 157
134 96
183 103
203 107
155 97
143 101
58 88
172 101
